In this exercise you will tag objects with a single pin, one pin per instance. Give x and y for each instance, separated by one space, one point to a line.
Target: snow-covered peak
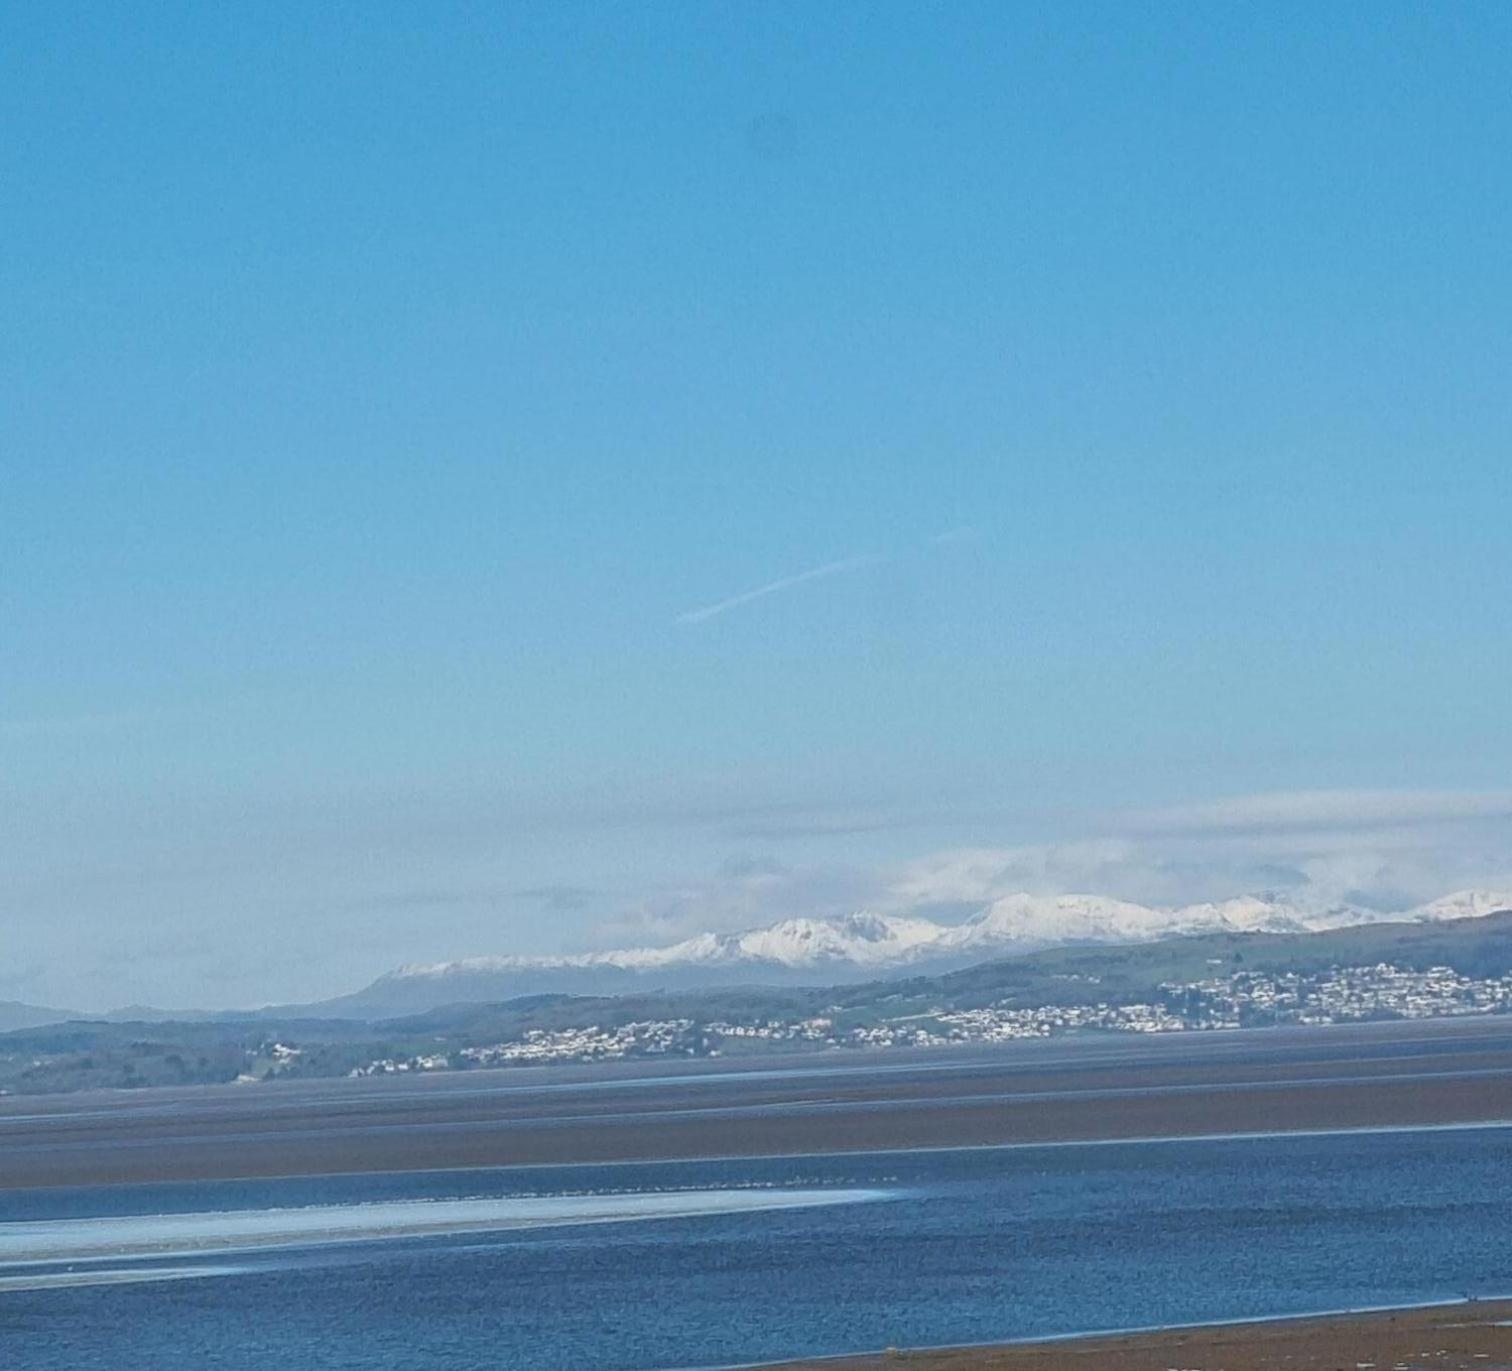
862 938
869 943
1041 919
1266 913
1464 904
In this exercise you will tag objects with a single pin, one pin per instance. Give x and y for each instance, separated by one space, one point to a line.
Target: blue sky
1113 398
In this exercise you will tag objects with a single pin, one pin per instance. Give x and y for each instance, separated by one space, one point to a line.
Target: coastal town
1229 1001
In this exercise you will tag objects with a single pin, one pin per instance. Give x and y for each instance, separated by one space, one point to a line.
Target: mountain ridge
16 1015
1099 977
806 950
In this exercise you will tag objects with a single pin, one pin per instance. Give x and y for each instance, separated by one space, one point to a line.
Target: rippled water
558 1268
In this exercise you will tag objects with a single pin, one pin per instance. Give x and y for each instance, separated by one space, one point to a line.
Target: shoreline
1339 1082
1448 1336
1152 1140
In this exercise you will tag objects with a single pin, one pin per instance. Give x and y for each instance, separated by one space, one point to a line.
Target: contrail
818 573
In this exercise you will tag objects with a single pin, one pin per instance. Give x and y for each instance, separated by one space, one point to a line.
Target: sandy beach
1455 1337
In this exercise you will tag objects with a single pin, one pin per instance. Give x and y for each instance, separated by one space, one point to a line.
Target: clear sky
482 478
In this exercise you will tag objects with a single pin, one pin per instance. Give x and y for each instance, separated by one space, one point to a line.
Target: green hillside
88 1054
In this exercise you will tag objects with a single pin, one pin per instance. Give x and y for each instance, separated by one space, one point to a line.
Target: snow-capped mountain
1464 904
1042 920
860 939
866 945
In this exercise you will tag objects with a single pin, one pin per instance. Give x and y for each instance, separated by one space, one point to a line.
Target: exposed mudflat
1089 1089
1444 1338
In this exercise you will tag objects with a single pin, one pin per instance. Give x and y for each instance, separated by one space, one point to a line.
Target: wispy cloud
965 533
1324 809
818 573
1385 851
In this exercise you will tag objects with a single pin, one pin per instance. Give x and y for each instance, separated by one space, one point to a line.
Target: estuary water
646 1266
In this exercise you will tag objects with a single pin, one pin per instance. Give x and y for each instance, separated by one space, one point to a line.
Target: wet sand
1453 1337
1093 1089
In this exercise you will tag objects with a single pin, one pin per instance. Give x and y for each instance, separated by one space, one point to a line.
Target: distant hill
79 1054
1477 946
860 948
14 1014
1480 946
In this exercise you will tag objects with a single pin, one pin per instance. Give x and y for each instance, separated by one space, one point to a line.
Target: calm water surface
638 1267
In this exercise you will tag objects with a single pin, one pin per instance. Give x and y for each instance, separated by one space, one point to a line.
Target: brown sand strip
324 1140
1401 1075
1455 1337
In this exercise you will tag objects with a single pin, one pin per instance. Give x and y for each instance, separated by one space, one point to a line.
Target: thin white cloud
1321 809
1384 867
1389 851
818 573
1386 850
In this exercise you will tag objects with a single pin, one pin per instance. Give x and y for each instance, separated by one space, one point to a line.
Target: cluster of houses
774 1031
651 1038
1004 1024
1250 999
1237 1000
1350 993
391 1066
